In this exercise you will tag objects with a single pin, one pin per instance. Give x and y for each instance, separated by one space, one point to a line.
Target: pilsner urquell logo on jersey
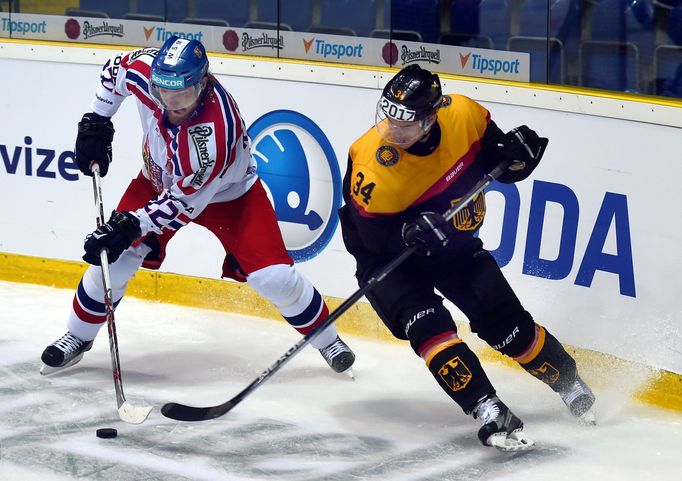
204 146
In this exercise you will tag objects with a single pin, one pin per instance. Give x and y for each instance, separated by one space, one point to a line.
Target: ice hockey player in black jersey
426 151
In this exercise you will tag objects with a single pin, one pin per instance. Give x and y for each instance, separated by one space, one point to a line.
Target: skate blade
514 442
46 370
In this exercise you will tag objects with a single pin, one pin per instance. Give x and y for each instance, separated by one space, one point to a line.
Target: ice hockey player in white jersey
197 168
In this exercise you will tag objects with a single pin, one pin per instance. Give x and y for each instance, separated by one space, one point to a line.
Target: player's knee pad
422 323
281 284
510 333
547 360
120 272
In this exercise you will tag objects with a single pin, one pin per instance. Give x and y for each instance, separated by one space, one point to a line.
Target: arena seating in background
420 16
169 10
624 21
406 35
357 15
547 44
80 12
610 65
296 14
674 25
234 12
144 17
214 22
464 26
113 8
540 50
466 40
268 25
494 21
668 71
485 22
326 29
621 46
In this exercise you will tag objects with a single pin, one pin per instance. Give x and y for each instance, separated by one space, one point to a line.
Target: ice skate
339 357
501 428
64 352
579 399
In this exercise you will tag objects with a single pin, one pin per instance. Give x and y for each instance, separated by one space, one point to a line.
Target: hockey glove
523 148
122 229
93 143
429 233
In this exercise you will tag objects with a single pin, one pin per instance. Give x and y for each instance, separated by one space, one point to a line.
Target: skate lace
576 391
334 349
487 410
68 343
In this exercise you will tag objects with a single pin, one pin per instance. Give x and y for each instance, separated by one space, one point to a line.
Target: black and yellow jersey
385 185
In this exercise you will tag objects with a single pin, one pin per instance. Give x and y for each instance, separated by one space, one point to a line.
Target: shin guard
458 372
547 360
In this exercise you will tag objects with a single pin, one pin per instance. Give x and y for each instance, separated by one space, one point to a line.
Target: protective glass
175 99
394 130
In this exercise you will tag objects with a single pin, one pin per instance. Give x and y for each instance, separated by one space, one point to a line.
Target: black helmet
405 112
415 89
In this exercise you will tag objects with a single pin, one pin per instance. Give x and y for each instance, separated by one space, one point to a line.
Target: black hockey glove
122 229
523 148
93 143
429 233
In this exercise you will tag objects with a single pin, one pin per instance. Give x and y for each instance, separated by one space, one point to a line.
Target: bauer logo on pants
301 175
455 374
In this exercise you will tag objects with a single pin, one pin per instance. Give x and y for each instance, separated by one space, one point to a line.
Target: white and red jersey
205 160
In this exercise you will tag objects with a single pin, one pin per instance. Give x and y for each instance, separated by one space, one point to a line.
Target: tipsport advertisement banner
472 62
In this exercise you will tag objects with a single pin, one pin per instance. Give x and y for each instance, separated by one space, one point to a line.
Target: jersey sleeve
121 76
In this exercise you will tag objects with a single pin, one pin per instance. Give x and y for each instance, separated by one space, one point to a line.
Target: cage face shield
400 125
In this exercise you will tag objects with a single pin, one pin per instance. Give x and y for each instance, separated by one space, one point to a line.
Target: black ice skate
580 399
339 357
64 352
501 428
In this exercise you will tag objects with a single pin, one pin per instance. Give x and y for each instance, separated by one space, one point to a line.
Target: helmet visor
397 125
175 99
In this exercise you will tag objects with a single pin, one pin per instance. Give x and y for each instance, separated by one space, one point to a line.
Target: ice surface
305 424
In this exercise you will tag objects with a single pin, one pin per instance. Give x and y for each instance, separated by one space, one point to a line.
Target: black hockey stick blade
181 412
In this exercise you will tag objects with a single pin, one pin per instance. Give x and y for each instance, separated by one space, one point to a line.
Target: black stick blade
181 412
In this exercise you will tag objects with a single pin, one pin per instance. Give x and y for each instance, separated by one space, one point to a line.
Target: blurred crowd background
632 46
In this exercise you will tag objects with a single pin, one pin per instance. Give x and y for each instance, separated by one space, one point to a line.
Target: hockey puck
107 433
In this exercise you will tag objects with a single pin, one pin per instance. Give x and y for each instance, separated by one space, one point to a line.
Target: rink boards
590 242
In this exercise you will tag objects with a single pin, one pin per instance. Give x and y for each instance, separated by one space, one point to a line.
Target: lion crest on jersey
455 374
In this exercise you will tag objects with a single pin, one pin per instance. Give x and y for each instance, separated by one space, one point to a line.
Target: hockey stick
126 411
182 412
